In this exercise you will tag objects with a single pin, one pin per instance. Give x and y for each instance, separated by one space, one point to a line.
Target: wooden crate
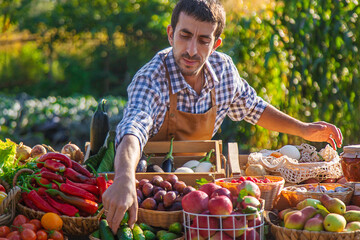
184 151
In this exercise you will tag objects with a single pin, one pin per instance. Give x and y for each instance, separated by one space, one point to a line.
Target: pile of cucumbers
140 231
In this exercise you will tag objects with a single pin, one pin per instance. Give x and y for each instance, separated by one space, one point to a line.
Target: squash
99 128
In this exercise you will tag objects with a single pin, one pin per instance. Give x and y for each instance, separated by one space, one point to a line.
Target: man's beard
183 70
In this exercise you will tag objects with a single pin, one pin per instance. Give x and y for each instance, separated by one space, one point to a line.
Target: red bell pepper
76 191
82 204
57 156
64 208
80 169
88 187
54 165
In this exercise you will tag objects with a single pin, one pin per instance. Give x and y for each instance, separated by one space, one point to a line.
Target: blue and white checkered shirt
148 95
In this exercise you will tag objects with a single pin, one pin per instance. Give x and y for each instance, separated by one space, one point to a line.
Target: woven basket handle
20 172
273 167
13 194
98 216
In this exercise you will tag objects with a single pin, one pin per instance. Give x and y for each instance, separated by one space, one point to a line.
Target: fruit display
48 227
162 194
326 214
212 212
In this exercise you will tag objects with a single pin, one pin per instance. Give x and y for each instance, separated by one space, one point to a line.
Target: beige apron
183 125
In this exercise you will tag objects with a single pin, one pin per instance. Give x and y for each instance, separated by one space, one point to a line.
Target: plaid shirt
148 95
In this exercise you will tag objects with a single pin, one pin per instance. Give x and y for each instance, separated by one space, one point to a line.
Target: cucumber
96 234
149 235
160 233
138 233
144 227
125 218
168 236
125 233
175 227
105 231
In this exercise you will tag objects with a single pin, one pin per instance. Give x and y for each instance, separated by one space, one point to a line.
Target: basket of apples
160 200
212 212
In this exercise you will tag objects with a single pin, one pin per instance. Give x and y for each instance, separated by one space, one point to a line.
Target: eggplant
99 128
168 163
143 163
154 168
205 165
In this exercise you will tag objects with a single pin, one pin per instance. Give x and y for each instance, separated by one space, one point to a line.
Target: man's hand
119 198
323 132
121 195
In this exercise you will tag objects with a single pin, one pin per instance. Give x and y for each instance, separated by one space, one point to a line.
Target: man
186 91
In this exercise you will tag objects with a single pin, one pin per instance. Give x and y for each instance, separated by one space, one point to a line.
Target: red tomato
30 226
18 221
14 235
28 234
56 235
37 223
41 235
4 230
242 179
2 189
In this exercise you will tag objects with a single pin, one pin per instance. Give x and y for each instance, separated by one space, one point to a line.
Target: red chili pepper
52 176
54 166
44 169
64 208
76 191
85 205
80 169
28 202
57 156
88 187
39 202
75 176
50 185
101 183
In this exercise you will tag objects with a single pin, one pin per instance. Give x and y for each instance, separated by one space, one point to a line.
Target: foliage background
58 58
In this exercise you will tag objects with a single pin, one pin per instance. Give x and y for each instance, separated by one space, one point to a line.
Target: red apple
193 234
254 222
195 202
222 192
220 205
206 224
250 201
220 236
234 226
209 188
249 189
250 234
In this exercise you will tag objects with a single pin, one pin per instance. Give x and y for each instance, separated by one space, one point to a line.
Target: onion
73 152
22 152
37 151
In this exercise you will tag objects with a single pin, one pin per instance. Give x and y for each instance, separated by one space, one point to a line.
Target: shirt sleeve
245 105
141 107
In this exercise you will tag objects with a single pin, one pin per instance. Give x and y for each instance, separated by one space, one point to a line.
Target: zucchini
105 231
99 128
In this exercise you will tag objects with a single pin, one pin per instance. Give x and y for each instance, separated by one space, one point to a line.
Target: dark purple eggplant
99 128
143 163
168 163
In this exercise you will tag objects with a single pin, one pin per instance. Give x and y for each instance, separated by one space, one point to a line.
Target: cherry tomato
14 235
37 223
41 235
4 230
56 235
28 234
30 226
18 221
242 179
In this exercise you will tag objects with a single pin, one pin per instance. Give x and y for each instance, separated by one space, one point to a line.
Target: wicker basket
161 219
294 197
94 238
8 205
269 191
282 233
72 226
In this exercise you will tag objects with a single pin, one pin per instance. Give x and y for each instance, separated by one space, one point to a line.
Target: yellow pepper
2 196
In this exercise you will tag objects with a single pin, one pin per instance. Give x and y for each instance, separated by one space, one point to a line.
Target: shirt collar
178 82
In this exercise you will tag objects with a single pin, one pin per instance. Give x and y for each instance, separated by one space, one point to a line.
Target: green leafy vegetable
202 181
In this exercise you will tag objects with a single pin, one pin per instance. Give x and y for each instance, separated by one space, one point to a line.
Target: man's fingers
133 215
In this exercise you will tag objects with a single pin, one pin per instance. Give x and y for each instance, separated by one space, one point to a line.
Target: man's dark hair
203 10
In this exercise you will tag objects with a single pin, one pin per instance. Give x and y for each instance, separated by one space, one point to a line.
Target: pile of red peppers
63 186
